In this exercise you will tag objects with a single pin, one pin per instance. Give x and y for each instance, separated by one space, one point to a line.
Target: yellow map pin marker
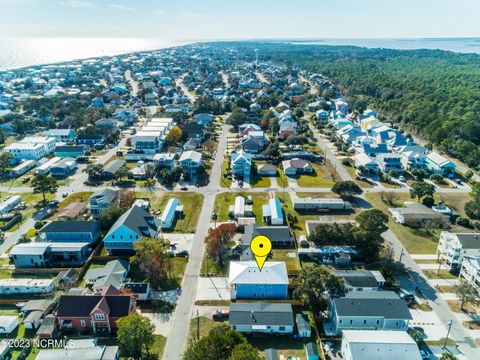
260 247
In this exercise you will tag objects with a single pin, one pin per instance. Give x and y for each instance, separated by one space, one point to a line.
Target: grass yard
211 268
224 200
285 345
225 181
178 269
192 205
444 274
292 263
415 241
76 197
32 200
321 177
454 305
201 326
363 184
422 307
259 181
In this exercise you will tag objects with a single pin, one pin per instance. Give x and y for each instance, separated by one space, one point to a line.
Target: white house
26 286
8 323
470 270
168 215
31 148
190 161
379 345
453 247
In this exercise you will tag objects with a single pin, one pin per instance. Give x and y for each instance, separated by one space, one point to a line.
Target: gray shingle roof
357 278
113 166
139 221
302 322
261 313
276 234
71 226
376 303
469 241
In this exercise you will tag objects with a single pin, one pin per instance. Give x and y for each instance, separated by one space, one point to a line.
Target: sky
245 19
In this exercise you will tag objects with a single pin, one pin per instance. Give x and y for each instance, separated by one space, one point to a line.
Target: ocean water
460 45
21 52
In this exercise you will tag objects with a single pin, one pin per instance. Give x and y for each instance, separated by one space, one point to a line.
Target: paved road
466 344
188 93
177 341
76 185
133 83
330 155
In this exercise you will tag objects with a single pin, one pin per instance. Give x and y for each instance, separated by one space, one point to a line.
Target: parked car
25 179
65 194
183 253
220 314
184 188
402 178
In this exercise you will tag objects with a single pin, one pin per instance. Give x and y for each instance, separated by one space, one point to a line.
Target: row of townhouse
380 147
460 253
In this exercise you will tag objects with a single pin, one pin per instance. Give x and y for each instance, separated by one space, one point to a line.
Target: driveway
213 288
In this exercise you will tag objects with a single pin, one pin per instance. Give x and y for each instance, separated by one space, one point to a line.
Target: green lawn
32 200
178 269
75 197
192 205
363 184
260 181
224 200
415 241
211 267
321 177
201 326
292 263
225 182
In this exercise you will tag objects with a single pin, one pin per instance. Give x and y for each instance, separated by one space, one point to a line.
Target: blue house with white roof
248 282
440 165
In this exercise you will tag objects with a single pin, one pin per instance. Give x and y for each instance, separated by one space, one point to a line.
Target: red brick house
93 313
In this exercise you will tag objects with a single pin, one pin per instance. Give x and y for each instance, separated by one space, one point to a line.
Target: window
364 322
378 322
340 321
99 317
83 323
281 328
351 321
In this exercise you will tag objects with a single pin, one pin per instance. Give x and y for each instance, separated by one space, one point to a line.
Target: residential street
181 318
466 344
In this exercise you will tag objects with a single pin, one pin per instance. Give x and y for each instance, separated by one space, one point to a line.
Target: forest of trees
432 93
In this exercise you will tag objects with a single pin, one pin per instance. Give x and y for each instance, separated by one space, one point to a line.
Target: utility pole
401 256
448 333
198 326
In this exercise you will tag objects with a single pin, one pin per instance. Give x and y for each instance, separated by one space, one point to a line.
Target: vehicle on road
65 194
184 188
25 179
402 178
